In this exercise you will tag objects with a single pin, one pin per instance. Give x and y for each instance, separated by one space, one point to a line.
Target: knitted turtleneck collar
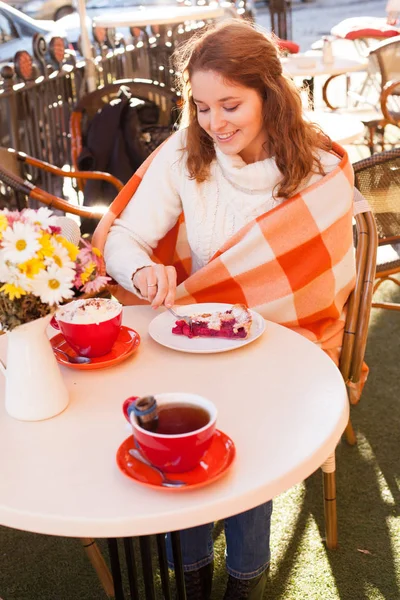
261 176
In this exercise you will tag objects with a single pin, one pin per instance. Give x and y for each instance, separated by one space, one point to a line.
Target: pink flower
85 255
13 216
77 281
97 284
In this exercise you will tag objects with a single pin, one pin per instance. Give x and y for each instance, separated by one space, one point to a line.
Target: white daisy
20 242
60 257
43 217
12 275
54 285
4 267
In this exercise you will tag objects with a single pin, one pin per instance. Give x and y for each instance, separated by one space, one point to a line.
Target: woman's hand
157 284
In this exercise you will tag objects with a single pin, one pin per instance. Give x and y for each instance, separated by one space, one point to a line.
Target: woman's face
231 114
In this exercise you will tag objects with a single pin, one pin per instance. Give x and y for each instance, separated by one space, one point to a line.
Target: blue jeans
247 543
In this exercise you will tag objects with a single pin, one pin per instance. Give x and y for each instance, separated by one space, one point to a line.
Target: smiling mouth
225 137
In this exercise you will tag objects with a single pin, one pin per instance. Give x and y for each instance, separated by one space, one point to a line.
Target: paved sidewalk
312 20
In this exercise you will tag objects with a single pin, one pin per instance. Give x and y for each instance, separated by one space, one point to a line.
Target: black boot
246 589
198 583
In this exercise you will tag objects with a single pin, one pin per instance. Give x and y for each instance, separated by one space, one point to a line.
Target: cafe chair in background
382 108
353 350
114 129
21 189
378 179
154 127
365 33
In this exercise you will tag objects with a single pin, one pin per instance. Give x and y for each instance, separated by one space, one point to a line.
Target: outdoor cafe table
162 15
280 398
343 129
295 65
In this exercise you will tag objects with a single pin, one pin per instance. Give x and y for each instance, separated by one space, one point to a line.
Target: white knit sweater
235 194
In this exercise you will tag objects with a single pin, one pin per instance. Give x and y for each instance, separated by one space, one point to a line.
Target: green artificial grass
367 563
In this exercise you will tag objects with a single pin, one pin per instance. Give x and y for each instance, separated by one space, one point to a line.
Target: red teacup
90 339
174 453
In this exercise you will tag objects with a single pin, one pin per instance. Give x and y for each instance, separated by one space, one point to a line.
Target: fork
185 318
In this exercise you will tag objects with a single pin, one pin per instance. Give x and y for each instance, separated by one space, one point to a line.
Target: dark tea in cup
182 433
180 418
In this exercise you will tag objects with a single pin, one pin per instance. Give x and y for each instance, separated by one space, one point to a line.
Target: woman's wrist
135 288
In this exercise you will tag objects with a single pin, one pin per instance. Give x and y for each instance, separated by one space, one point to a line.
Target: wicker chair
378 179
10 169
17 182
353 350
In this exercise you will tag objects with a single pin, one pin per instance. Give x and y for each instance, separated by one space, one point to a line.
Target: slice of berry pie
234 323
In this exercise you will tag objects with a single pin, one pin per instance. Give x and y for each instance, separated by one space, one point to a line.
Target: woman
267 207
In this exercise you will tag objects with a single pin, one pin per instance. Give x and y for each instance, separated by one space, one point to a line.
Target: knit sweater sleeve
150 214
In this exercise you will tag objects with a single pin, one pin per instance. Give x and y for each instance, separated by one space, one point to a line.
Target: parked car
17 31
44 9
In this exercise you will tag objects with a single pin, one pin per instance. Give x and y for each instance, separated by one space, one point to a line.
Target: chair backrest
359 303
387 55
12 180
166 99
378 179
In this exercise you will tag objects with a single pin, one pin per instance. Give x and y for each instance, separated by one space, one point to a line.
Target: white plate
160 330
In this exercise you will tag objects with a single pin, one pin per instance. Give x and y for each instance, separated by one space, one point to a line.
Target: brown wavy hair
241 54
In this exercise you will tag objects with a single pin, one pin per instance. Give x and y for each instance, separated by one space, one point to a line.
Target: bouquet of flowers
40 268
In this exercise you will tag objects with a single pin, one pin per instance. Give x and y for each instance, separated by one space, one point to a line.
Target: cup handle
127 405
54 323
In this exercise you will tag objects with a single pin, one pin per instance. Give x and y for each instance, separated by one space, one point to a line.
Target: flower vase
35 389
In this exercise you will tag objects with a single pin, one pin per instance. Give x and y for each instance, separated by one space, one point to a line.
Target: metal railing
36 103
38 93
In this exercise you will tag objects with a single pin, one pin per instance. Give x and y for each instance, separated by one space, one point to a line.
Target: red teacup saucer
215 462
127 342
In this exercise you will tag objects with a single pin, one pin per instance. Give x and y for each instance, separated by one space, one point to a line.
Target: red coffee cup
174 453
95 338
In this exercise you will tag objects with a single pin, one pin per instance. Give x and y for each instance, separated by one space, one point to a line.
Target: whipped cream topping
92 310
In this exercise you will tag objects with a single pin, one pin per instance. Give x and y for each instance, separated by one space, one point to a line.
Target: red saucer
128 341
215 462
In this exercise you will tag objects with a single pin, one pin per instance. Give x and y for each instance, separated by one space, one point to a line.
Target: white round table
342 129
162 15
280 398
314 66
311 65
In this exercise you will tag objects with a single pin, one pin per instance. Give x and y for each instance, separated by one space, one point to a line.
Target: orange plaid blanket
294 264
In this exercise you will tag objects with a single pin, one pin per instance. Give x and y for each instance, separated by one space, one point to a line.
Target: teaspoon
165 480
78 360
